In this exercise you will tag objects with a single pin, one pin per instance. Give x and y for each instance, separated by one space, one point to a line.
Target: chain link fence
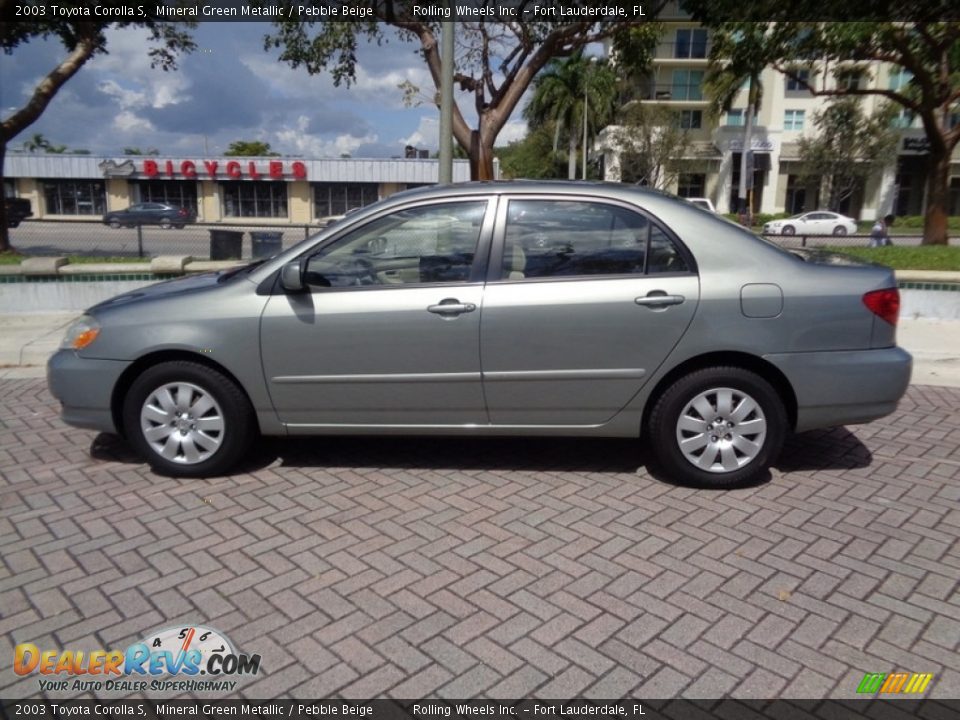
223 241
201 240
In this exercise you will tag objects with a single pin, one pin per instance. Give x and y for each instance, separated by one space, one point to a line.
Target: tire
115 224
151 422
839 230
179 227
166 224
736 455
789 230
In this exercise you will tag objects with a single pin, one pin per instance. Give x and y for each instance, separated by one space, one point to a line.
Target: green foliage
140 151
532 157
250 148
908 257
650 142
848 146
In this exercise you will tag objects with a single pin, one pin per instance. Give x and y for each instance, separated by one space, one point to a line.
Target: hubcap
182 423
721 430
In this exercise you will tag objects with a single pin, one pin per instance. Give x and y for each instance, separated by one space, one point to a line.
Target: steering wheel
363 271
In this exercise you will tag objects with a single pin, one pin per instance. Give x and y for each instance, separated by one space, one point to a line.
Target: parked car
469 310
150 213
820 222
16 209
705 203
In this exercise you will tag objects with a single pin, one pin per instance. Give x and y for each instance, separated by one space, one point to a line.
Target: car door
388 334
585 299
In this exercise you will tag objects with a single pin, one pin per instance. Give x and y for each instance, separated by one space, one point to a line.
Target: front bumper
845 387
84 387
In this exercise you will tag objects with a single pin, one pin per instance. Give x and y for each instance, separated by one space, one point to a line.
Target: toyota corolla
498 309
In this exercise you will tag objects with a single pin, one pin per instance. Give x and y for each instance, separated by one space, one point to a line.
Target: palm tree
577 94
730 69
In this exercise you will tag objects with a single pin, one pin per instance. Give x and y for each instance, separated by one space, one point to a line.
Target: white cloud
129 61
295 140
514 130
126 121
125 98
427 134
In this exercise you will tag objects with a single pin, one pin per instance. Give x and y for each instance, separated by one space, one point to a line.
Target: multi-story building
711 165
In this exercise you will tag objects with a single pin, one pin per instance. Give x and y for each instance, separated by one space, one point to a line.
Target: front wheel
789 230
719 427
188 420
166 224
839 230
114 223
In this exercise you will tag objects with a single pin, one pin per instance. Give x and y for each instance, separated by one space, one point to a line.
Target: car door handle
451 306
659 299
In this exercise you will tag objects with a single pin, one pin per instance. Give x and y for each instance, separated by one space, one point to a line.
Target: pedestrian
880 232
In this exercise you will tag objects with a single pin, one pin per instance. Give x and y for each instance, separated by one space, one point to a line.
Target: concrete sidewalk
28 339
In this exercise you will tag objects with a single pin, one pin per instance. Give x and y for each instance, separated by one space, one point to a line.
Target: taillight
884 303
182 211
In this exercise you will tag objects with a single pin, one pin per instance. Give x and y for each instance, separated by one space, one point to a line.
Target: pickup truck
15 210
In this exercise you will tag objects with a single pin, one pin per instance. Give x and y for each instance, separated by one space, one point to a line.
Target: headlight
81 333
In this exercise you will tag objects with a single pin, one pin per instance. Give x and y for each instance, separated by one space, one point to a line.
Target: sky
229 89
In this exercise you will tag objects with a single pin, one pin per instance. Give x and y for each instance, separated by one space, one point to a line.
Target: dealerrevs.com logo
175 659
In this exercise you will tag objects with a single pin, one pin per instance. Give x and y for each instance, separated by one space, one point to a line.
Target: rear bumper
845 387
84 388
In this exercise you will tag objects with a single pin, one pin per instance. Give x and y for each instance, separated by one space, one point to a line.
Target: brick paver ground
505 568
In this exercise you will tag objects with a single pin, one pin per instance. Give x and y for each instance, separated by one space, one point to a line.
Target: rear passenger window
562 238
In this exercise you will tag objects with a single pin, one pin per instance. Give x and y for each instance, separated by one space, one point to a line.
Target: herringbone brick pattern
503 568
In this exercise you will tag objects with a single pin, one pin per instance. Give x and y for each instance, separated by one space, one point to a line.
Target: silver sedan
498 309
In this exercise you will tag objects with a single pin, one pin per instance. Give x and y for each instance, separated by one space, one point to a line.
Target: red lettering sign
169 168
252 170
276 169
211 166
188 169
299 170
150 168
233 169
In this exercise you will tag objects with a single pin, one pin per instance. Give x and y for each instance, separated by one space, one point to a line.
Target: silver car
498 309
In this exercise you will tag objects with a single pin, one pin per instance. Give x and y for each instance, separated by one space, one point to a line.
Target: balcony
694 52
673 93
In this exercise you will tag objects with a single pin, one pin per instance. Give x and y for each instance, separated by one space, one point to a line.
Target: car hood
177 286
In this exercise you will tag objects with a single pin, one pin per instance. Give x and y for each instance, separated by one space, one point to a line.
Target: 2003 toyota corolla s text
498 309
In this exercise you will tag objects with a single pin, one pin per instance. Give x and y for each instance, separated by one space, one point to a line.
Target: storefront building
225 190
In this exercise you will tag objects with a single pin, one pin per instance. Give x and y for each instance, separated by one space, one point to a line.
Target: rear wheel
839 230
789 230
188 420
718 427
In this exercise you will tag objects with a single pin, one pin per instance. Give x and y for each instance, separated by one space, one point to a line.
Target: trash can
266 244
226 244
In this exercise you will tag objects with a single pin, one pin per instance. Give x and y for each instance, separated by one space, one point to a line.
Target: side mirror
291 276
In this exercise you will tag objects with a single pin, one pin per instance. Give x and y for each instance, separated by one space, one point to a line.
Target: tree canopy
496 60
249 148
923 41
81 40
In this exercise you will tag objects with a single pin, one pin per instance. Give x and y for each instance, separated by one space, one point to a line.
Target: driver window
427 244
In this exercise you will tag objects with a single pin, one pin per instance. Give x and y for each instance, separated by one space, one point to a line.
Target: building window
793 119
848 80
339 198
75 197
170 192
799 84
690 119
254 199
691 185
687 85
691 44
900 78
902 119
735 118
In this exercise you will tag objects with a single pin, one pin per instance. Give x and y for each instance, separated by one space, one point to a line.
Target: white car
819 222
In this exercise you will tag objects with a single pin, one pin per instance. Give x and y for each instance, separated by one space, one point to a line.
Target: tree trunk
481 158
938 197
4 230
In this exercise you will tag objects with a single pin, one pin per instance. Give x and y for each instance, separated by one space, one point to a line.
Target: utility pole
446 99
